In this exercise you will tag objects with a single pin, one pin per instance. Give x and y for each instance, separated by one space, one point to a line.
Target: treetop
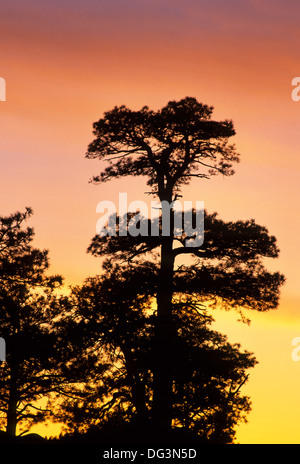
169 146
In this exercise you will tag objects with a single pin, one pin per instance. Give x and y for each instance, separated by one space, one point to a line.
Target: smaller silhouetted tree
28 311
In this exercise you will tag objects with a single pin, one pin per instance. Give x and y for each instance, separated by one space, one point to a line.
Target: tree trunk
162 370
11 425
11 418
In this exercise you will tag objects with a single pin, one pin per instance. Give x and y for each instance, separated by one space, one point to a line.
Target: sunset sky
66 62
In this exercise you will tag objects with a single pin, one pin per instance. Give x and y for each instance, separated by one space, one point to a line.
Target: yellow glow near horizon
273 384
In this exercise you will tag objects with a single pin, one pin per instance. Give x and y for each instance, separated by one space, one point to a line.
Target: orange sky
66 62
